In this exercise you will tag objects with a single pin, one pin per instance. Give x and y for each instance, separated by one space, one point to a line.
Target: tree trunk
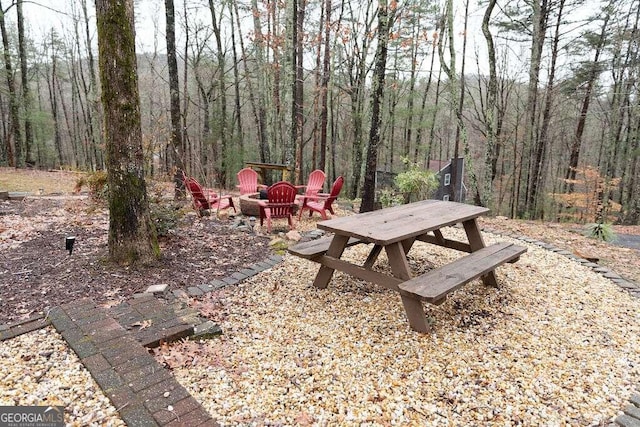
490 109
131 234
326 75
261 115
423 105
539 20
5 147
222 128
53 96
237 114
26 93
93 101
576 144
85 114
385 16
456 90
176 139
14 107
357 66
539 158
297 119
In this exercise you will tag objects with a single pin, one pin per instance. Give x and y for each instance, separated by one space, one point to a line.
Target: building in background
444 171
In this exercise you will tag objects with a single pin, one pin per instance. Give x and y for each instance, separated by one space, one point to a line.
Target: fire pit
249 204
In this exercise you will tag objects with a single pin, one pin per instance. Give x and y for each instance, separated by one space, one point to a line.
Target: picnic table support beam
476 243
396 252
375 252
373 256
337 246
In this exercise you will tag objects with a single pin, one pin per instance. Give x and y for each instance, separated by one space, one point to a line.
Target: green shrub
416 183
388 198
601 231
165 217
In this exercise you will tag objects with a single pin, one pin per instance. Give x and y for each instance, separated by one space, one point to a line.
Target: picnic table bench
395 230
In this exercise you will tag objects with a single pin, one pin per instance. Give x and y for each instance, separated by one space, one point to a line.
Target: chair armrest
209 193
316 197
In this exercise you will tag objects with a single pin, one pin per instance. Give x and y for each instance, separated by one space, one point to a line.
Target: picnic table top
398 223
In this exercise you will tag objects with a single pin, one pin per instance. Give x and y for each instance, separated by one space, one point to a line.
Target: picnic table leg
337 246
412 306
373 256
408 244
476 242
439 237
375 252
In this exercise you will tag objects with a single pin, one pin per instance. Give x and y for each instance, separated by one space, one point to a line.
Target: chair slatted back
335 191
247 181
197 193
281 198
315 183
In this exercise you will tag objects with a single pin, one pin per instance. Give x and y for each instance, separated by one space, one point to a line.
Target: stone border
12 330
142 391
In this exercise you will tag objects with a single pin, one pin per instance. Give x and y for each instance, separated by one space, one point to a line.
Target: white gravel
556 344
39 369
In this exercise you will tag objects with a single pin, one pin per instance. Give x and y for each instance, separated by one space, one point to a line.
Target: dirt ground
37 272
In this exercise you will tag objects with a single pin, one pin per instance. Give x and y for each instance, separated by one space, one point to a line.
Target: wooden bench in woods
433 286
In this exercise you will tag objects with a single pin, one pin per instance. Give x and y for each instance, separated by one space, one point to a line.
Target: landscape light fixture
70 240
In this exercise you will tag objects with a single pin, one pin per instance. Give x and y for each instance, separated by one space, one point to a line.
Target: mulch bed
37 272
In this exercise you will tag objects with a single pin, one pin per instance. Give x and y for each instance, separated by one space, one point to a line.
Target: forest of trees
542 102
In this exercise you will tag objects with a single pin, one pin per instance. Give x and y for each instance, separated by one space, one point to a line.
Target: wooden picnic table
395 230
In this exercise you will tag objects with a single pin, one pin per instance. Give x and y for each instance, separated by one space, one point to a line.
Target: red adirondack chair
322 202
206 199
280 203
314 184
248 181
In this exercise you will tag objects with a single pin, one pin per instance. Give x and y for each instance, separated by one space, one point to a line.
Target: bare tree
175 141
592 75
24 83
385 20
490 109
131 235
297 106
222 126
14 105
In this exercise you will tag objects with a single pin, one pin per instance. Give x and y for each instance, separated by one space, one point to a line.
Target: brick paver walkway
145 393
